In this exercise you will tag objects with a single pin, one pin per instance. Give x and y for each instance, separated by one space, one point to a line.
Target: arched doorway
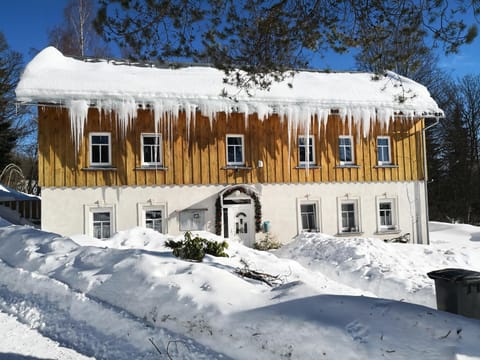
239 209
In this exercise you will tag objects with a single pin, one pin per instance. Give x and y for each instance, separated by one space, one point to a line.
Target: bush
267 243
196 248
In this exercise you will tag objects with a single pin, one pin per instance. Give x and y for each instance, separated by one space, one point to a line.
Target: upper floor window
100 149
152 149
345 150
235 150
306 150
383 150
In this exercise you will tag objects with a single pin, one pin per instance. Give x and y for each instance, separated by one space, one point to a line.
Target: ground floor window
152 216
102 224
386 214
349 216
154 220
308 215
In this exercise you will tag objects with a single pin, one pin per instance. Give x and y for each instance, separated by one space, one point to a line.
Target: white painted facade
69 211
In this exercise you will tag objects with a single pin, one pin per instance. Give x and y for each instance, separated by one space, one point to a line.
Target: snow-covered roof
77 84
9 194
52 77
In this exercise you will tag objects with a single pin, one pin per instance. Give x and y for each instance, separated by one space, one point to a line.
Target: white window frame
310 153
109 162
394 216
158 144
357 215
389 147
352 147
142 209
235 163
89 210
315 202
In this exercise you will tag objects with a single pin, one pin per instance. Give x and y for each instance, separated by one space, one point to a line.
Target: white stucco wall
65 210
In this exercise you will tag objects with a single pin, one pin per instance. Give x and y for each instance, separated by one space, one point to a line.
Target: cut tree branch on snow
270 280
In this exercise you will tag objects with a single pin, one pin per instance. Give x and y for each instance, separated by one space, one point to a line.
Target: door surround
233 196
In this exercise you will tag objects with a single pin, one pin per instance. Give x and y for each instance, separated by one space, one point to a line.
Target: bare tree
76 35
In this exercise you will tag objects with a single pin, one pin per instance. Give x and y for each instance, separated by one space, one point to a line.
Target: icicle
158 112
78 112
243 108
367 115
307 118
126 112
188 118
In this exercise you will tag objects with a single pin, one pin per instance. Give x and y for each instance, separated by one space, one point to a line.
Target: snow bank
107 298
121 88
389 270
4 222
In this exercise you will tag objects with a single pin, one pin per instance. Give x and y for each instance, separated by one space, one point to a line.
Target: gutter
425 174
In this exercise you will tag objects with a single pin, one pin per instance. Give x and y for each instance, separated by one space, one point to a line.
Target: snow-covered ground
331 298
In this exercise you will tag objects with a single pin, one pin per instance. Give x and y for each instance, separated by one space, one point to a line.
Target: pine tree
454 194
263 38
10 68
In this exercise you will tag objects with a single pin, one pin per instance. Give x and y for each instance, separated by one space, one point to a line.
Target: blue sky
25 23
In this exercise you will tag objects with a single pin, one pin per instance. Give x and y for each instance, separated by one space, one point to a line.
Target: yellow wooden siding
196 154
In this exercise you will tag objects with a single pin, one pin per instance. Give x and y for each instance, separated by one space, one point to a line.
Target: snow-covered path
89 326
20 342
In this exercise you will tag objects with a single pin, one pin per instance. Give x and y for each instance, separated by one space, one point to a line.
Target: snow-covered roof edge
122 89
9 194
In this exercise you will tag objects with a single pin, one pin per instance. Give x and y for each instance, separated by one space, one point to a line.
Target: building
124 145
19 208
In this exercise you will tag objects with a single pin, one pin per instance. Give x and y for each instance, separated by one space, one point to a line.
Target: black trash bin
458 291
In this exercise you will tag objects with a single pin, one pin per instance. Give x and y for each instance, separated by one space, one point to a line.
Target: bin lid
455 275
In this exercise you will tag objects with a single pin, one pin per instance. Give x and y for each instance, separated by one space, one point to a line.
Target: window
349 217
383 150
154 220
386 215
152 215
306 150
102 224
345 144
235 150
100 149
192 219
152 149
309 217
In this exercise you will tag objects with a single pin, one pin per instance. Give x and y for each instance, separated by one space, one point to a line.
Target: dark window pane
238 154
234 140
231 154
303 154
104 154
348 154
149 140
95 154
147 154
101 216
99 139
